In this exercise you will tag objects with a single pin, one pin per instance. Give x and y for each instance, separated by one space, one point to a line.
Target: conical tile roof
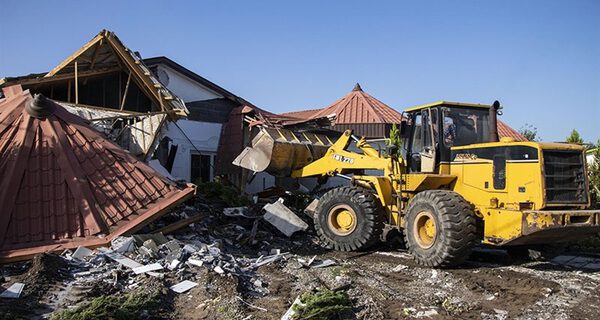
360 107
63 184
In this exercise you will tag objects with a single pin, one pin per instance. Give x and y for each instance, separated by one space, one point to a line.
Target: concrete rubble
284 219
13 292
236 264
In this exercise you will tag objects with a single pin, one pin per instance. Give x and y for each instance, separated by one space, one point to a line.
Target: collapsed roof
103 73
65 185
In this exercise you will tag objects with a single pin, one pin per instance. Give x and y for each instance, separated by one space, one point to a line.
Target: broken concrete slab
195 262
174 264
324 263
260 261
150 267
82 252
183 286
14 291
158 238
284 219
123 260
122 244
237 212
218 270
312 207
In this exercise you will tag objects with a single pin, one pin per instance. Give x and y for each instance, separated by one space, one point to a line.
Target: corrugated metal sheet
64 184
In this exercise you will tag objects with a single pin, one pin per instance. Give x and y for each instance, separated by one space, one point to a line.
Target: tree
529 132
395 139
594 172
574 137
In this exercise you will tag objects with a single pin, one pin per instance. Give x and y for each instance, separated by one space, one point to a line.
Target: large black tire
368 219
440 228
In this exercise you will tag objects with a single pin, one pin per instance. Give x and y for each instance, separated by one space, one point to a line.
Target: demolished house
158 110
66 185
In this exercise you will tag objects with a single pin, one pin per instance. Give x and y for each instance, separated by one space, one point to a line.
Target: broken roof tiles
65 185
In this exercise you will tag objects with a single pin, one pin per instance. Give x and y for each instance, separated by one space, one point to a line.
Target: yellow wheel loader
453 185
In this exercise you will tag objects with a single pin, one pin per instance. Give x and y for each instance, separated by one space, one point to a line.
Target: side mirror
404 129
392 150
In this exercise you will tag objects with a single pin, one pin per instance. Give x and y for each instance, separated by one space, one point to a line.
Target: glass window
464 126
417 143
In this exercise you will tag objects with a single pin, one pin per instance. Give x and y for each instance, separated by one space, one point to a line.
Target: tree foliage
574 137
395 138
529 132
594 172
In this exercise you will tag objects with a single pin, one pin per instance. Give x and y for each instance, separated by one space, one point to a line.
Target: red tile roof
359 107
505 131
64 184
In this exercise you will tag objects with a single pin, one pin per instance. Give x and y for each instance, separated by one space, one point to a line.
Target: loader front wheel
349 219
440 228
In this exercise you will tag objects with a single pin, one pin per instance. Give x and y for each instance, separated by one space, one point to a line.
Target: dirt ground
382 284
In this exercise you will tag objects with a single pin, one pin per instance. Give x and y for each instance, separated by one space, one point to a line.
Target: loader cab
431 130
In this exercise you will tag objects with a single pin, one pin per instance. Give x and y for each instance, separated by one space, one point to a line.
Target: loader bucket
280 151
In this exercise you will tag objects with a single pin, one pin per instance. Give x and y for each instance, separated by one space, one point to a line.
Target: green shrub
121 307
322 305
215 191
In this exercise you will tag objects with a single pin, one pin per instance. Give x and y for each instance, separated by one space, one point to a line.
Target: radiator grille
564 176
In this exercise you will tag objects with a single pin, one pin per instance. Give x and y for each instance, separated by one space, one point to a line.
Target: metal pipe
343 176
493 115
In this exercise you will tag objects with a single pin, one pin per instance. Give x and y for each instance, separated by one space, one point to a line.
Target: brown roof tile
360 107
64 185
505 131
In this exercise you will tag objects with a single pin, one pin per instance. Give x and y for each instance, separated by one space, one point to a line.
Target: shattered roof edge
155 212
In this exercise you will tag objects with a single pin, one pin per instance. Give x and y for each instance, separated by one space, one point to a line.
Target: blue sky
541 59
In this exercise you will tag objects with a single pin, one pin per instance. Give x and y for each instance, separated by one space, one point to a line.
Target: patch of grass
121 307
322 305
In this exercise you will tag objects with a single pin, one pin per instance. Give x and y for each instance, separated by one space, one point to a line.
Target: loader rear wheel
349 219
440 228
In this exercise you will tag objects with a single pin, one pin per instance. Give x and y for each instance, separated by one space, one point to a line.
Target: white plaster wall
205 138
185 88
589 158
261 181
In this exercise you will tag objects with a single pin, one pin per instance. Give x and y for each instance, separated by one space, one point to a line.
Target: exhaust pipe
494 112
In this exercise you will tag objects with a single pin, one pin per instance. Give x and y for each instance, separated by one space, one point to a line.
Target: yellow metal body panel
515 227
513 212
472 177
